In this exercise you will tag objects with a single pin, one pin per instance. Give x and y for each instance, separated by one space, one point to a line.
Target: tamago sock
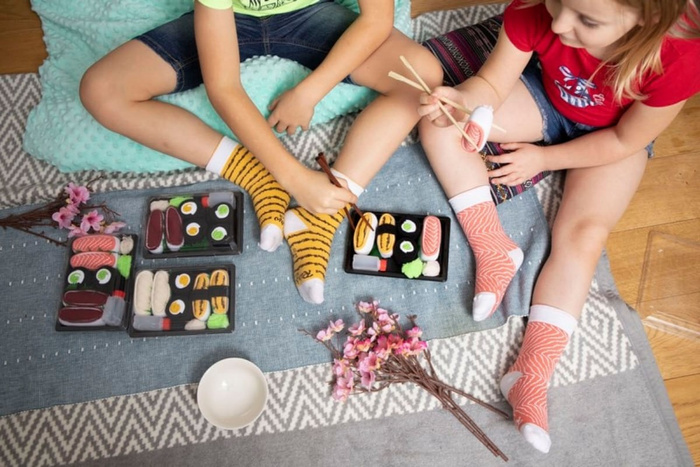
525 385
270 201
310 237
497 256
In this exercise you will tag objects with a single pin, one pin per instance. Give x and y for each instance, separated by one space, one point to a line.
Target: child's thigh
306 36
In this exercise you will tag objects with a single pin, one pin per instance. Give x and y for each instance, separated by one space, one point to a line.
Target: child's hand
430 109
316 193
292 109
524 162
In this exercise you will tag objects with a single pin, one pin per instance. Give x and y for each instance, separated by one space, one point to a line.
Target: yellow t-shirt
259 7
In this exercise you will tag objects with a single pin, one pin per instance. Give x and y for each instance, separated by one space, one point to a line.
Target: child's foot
310 237
525 385
235 163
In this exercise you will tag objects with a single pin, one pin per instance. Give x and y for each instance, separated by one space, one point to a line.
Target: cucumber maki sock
498 258
310 237
270 201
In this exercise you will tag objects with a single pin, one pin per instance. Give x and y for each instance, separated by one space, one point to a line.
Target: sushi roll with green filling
405 251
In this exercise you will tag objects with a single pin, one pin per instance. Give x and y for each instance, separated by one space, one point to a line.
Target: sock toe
312 291
483 305
270 238
537 437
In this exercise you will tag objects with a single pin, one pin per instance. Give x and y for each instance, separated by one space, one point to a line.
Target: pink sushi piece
478 128
99 242
93 260
430 239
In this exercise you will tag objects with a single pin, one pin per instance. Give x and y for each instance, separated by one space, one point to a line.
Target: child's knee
93 90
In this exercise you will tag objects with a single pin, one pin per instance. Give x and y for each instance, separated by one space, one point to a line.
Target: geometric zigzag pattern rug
300 398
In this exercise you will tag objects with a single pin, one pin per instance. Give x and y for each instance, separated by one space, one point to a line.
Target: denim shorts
556 128
305 36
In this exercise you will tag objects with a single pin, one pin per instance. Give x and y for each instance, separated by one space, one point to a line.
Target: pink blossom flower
91 220
367 379
337 326
370 362
415 332
75 231
113 227
63 217
324 335
77 194
363 345
340 367
72 208
350 350
358 328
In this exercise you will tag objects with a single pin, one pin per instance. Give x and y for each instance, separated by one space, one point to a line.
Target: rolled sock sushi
218 288
431 236
151 323
363 238
201 308
408 228
174 236
478 127
405 251
143 289
80 316
154 231
95 260
160 293
386 235
89 298
99 242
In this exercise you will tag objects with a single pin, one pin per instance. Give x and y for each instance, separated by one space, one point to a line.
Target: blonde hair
639 51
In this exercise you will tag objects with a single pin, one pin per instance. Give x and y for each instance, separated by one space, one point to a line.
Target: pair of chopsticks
321 159
422 86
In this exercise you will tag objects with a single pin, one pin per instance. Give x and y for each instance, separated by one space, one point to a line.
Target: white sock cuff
471 197
221 154
554 316
356 189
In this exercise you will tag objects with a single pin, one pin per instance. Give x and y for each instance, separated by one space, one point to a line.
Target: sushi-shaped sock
235 163
310 237
498 258
525 384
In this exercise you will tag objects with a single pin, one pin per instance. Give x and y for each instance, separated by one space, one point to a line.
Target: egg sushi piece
160 293
189 208
201 308
364 235
386 235
218 286
143 289
177 307
183 280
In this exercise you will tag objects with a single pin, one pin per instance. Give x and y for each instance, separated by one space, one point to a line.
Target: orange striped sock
270 201
525 384
497 256
310 237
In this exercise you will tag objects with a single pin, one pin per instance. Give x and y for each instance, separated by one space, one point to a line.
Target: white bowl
232 393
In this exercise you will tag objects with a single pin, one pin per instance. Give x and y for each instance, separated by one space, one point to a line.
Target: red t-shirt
566 70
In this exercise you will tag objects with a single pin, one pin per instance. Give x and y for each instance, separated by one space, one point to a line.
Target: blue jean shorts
556 128
305 36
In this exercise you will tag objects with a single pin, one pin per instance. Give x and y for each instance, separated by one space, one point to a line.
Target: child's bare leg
594 200
373 138
118 91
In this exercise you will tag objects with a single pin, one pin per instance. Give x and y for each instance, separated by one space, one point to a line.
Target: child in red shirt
594 82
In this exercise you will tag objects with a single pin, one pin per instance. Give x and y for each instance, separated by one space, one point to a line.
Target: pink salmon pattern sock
525 384
498 258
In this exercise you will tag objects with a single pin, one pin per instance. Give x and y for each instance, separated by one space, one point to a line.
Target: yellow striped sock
310 237
270 200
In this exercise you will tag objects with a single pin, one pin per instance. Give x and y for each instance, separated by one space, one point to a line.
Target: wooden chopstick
321 159
442 107
466 110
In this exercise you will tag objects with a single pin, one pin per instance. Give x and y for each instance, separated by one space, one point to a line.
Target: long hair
638 52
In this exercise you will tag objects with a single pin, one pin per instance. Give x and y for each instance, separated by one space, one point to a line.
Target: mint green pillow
79 32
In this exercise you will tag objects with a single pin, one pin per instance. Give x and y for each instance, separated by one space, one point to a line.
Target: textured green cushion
79 32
